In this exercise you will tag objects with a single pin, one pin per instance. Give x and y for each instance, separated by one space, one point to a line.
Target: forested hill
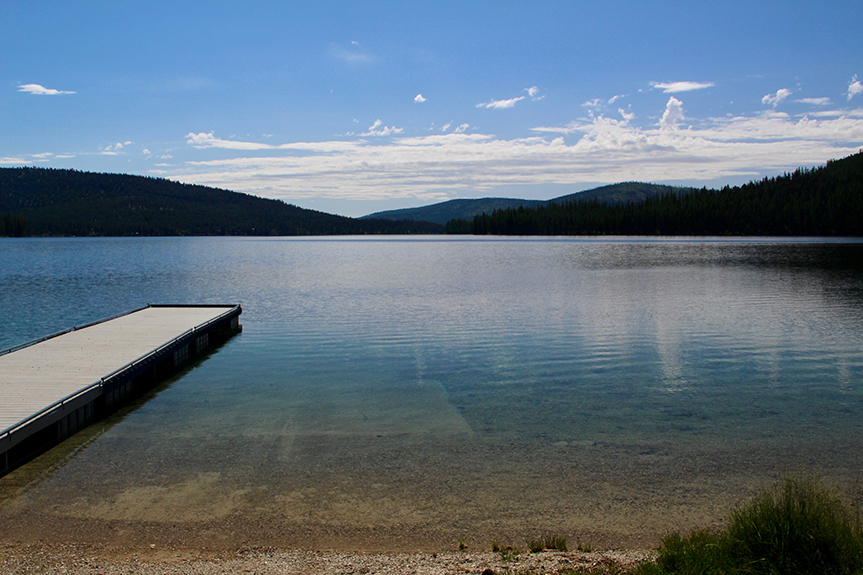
48 202
465 209
443 212
824 201
620 193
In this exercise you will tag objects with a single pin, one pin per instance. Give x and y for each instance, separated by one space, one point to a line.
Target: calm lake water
418 391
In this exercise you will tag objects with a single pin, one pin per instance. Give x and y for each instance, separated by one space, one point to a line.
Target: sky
356 107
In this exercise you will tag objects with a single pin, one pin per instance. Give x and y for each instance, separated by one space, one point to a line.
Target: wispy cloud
844 113
419 99
599 104
378 129
114 149
594 149
460 129
501 104
207 140
815 101
34 158
775 99
41 90
854 87
533 92
674 87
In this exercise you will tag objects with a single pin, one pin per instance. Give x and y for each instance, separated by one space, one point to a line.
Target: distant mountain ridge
50 202
443 212
466 209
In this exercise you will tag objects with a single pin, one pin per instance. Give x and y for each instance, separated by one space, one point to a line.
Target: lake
414 392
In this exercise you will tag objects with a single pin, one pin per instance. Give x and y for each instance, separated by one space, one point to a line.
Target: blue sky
355 107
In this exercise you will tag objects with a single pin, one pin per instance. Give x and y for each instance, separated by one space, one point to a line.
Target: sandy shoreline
98 559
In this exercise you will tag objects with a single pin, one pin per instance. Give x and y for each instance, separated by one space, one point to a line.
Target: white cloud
673 114
419 99
34 158
114 149
625 115
815 101
378 129
858 113
595 103
774 99
854 87
40 90
674 87
146 152
595 149
533 92
615 98
501 104
781 128
207 140
446 127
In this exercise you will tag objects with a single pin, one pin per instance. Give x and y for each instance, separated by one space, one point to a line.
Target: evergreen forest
824 201
49 202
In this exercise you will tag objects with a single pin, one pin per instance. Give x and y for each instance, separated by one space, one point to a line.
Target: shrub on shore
547 543
797 527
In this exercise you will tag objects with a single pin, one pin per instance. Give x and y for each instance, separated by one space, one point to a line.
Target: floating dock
53 387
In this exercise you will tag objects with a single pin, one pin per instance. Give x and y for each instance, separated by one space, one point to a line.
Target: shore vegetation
798 526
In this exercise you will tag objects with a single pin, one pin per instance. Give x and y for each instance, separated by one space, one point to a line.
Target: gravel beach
40 558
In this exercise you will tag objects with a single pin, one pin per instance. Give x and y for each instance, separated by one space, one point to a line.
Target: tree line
824 201
13 226
51 202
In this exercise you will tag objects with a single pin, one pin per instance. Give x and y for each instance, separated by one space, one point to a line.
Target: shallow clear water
437 388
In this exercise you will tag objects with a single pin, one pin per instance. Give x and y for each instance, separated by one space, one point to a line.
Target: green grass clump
797 527
508 553
547 543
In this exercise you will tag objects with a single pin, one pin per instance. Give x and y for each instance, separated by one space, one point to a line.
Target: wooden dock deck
52 387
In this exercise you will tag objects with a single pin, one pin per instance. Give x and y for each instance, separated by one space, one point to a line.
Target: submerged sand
382 509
